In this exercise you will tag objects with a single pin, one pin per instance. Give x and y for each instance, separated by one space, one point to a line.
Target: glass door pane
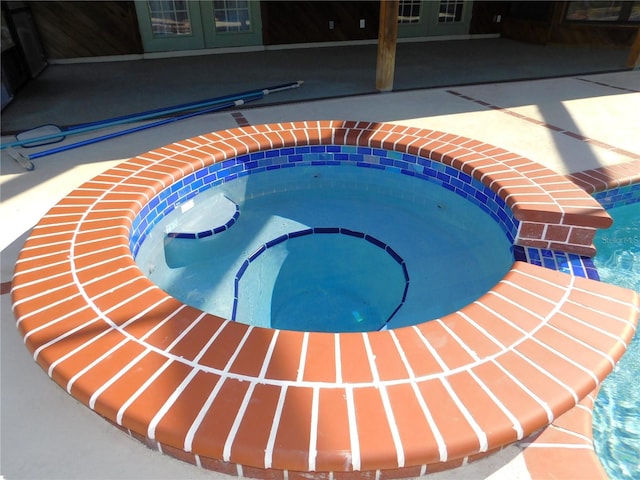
169 25
169 18
232 23
231 16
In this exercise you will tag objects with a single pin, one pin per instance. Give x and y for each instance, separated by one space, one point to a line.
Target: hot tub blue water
416 251
616 414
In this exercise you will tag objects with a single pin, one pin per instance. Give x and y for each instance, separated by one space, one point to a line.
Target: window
409 11
450 11
169 17
232 16
611 11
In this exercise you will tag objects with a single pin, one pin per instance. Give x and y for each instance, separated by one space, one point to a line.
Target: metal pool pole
25 160
110 122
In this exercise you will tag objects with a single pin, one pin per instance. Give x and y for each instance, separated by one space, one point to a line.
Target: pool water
616 414
380 240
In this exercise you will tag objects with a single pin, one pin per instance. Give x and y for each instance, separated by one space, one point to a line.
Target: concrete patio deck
568 124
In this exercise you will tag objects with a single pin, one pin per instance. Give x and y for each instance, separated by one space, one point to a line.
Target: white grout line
123 408
458 340
338 358
188 442
482 436
268 452
432 350
549 375
525 389
353 429
226 450
517 426
313 434
303 357
120 373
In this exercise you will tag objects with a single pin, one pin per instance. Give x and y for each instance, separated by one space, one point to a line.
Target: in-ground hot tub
270 402
332 245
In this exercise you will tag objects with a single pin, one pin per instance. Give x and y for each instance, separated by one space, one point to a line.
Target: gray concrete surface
78 93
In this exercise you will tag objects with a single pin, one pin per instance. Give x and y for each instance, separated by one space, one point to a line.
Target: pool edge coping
388 139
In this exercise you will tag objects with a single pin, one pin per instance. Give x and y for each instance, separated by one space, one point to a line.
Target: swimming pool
616 424
330 248
260 402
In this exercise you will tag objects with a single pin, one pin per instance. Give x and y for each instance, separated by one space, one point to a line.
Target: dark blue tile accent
443 177
219 229
375 241
301 233
277 240
481 196
592 273
394 312
320 230
242 269
234 311
181 235
518 253
451 171
229 163
205 234
257 253
464 177
346 231
394 254
400 164
326 230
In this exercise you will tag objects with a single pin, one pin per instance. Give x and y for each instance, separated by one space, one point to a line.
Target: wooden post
387 37
633 61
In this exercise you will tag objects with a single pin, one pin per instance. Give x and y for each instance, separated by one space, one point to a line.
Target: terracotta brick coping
262 402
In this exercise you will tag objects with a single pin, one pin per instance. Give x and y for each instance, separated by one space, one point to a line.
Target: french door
169 25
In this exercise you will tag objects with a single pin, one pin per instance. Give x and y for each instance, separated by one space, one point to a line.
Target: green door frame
165 43
215 39
203 30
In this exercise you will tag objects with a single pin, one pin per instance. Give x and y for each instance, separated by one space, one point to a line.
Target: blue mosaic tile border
321 230
618 197
334 155
578 265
